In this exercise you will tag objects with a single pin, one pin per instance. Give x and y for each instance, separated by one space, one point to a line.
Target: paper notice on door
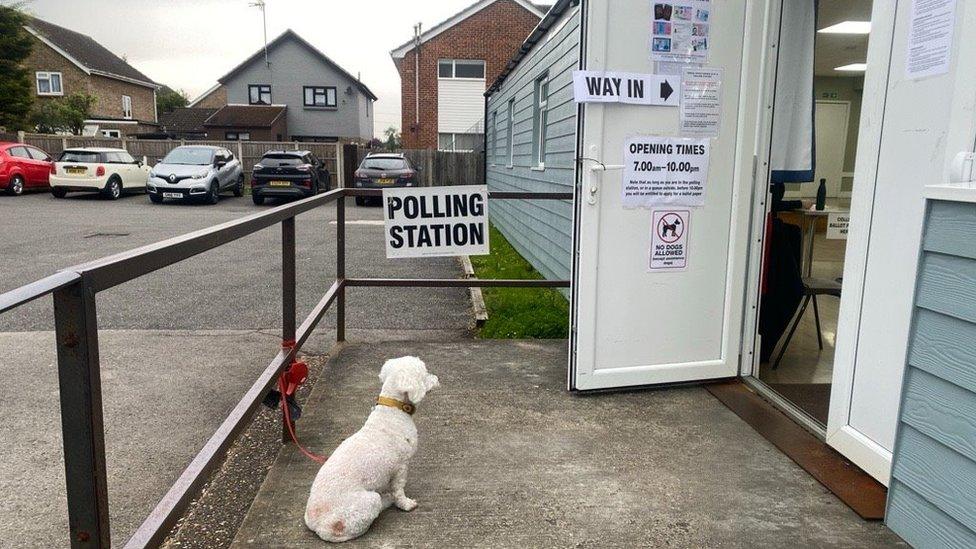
665 171
669 240
837 226
930 38
701 101
680 30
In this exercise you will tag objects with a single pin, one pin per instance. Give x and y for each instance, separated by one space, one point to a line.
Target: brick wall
493 34
214 99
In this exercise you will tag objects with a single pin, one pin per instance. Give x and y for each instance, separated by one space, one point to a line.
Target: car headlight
200 175
152 173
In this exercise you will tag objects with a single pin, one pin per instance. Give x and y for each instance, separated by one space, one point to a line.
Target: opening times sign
436 221
665 171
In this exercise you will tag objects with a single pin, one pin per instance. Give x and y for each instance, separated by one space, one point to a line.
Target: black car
288 174
379 171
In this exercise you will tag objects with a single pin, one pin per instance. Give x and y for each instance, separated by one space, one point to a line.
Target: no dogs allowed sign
436 221
669 240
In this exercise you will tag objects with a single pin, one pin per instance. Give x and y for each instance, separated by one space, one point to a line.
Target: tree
16 96
65 114
168 99
392 138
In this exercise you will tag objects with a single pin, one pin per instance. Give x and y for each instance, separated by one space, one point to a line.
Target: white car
110 172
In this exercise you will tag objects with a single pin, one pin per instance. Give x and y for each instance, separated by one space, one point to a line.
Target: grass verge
518 313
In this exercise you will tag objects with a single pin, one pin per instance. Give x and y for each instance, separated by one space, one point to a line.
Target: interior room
811 179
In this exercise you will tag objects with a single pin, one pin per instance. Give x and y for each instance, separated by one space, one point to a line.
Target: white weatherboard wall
460 105
540 230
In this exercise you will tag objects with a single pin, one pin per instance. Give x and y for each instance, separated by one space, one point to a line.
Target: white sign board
837 226
669 240
665 171
701 101
625 87
680 30
930 41
436 221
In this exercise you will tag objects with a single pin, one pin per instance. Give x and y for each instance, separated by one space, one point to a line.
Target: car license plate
172 195
75 171
385 181
280 183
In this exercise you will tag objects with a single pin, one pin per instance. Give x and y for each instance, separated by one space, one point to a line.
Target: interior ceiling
837 50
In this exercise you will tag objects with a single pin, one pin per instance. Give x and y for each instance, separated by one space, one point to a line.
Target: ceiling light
853 67
848 27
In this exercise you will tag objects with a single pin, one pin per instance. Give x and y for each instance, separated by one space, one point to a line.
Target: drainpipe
416 78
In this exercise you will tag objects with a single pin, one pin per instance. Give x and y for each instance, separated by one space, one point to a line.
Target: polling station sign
626 87
436 221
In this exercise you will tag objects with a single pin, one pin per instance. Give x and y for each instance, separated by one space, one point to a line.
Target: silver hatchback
198 172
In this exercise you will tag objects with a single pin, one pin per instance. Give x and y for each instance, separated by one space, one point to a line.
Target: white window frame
494 137
46 75
511 132
454 62
114 134
540 116
127 107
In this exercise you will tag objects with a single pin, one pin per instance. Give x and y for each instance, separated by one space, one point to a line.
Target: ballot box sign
436 221
669 240
837 226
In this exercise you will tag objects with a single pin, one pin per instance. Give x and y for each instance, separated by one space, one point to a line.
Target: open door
634 327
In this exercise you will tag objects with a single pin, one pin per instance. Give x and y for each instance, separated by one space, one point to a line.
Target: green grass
518 313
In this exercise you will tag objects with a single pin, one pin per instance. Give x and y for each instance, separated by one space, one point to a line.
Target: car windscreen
281 160
384 164
189 155
79 156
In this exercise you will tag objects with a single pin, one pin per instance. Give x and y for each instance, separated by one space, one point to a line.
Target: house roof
537 9
292 35
551 18
86 53
246 116
185 119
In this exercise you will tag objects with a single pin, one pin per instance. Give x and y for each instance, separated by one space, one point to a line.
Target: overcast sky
188 44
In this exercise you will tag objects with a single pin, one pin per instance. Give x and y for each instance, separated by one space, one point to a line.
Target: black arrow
666 90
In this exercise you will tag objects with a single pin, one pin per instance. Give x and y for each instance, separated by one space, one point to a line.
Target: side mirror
138 163
220 163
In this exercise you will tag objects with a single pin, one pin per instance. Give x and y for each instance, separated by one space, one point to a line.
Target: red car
23 167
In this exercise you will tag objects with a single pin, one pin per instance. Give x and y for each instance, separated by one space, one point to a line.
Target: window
49 83
320 96
79 156
493 153
451 68
237 136
259 94
381 163
37 154
111 133
510 132
539 120
458 141
18 152
126 107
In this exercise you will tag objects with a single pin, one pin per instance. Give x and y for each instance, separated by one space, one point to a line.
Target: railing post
82 429
287 296
341 268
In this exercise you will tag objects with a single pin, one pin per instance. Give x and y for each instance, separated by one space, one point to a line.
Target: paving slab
509 458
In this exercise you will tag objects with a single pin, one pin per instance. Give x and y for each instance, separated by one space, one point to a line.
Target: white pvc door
634 327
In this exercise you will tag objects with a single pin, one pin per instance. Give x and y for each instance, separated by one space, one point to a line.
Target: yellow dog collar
398 404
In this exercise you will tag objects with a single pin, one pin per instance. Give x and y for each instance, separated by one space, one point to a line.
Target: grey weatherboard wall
540 230
932 493
292 67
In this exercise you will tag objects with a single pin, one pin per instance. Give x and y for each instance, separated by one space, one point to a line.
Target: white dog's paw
406 504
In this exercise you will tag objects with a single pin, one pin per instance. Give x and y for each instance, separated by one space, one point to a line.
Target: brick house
455 60
63 62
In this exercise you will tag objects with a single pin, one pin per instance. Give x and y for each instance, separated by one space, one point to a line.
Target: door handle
594 188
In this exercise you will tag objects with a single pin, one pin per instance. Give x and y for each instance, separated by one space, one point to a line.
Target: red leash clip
295 376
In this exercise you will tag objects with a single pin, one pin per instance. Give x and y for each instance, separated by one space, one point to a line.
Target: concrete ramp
508 458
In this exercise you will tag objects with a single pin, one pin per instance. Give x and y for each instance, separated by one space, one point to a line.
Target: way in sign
624 87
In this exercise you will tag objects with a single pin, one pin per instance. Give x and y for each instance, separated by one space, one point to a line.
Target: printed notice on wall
680 30
625 87
701 101
837 226
669 240
436 222
930 41
665 171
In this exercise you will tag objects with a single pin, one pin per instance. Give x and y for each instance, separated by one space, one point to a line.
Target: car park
384 170
111 172
23 167
288 174
199 172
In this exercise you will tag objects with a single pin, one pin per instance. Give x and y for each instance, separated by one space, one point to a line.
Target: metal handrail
74 290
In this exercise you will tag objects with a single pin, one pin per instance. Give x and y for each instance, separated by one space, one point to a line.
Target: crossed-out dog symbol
673 227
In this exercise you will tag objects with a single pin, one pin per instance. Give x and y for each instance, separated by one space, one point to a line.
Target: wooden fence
249 152
442 168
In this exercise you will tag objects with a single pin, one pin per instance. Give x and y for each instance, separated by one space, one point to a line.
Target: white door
830 129
633 327
910 130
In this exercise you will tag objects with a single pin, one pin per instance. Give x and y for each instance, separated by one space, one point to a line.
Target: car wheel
113 189
258 200
156 198
16 186
59 192
239 187
360 200
214 195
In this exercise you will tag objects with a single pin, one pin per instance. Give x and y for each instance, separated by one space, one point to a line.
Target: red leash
295 371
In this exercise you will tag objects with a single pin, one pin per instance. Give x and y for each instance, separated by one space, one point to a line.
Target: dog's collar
398 404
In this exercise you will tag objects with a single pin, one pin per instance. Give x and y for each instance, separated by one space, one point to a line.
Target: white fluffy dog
367 472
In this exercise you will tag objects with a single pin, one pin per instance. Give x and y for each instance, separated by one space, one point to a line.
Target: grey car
199 172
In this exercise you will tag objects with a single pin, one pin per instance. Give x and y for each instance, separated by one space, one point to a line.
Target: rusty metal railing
79 378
